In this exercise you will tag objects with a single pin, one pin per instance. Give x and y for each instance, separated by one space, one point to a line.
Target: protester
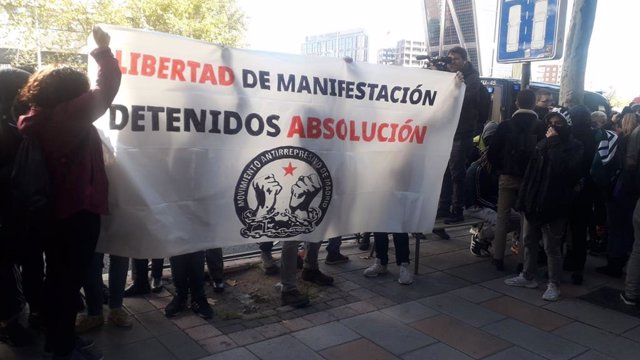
544 102
187 271
11 249
512 146
334 256
631 293
381 243
545 199
140 277
63 108
290 295
451 202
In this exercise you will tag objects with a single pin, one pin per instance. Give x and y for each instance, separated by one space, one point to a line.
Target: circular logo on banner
282 192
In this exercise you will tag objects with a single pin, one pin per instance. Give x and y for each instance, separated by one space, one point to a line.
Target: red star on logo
289 169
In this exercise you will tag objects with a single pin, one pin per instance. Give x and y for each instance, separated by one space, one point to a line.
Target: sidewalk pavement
457 308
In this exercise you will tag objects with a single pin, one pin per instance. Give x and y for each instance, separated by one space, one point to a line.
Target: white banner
211 146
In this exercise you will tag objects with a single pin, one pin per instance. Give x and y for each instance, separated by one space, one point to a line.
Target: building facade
452 23
404 54
351 43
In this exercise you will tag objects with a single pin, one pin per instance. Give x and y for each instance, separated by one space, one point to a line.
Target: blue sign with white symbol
531 30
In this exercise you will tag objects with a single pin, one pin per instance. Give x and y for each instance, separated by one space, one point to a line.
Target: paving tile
202 332
160 303
284 347
234 354
327 335
182 346
347 286
320 318
604 342
245 337
633 334
145 349
137 305
537 341
463 337
594 315
156 323
476 293
451 259
362 293
188 321
343 312
296 324
593 355
362 307
433 284
461 309
358 349
388 332
108 336
381 302
393 291
410 312
533 315
434 247
477 272
436 351
217 344
514 352
532 296
272 330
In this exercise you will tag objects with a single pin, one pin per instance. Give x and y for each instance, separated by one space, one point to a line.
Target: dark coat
469 124
549 184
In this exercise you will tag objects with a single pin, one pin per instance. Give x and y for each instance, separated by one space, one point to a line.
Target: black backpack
30 185
519 148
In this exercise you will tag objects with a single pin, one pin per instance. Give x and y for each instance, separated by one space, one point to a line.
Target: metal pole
526 75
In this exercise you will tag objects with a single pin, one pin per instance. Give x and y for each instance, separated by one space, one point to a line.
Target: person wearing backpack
513 145
63 108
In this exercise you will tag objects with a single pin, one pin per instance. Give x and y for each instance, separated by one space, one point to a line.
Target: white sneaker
521 281
406 276
552 293
375 269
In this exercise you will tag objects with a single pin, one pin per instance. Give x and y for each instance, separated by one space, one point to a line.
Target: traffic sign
531 30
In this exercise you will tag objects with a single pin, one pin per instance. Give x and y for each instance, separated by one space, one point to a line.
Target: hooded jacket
71 145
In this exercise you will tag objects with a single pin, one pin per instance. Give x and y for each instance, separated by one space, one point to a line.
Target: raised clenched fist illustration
302 194
266 189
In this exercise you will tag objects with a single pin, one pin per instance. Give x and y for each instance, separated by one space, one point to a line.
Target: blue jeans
118 267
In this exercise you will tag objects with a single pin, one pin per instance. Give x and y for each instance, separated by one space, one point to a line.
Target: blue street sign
531 30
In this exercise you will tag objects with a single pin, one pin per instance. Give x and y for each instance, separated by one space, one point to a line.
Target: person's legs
631 292
157 267
579 217
401 243
458 167
290 294
531 234
507 193
446 191
552 235
33 278
333 252
179 275
69 256
118 267
195 274
333 245
215 266
268 264
310 271
92 286
381 242
140 276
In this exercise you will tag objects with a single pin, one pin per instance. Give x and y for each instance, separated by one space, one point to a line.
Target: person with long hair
62 110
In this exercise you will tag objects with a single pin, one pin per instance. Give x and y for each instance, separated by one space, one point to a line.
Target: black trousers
401 243
140 270
69 253
188 274
215 264
579 218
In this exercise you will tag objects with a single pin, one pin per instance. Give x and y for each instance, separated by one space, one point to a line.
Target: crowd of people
553 178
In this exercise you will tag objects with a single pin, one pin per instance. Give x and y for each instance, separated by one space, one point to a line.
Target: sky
281 26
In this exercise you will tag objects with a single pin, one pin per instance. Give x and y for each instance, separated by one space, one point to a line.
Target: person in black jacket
545 198
581 212
512 146
452 194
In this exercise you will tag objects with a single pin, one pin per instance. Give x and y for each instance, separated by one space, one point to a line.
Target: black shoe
443 213
454 218
335 258
627 301
18 335
441 233
201 307
498 263
316 277
364 243
577 278
137 289
178 304
272 270
218 286
294 298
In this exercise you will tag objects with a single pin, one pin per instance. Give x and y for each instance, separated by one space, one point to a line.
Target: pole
526 75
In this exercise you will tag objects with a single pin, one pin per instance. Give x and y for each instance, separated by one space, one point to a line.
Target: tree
577 51
56 30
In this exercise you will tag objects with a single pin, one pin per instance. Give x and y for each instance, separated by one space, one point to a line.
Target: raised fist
101 37
266 189
302 194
